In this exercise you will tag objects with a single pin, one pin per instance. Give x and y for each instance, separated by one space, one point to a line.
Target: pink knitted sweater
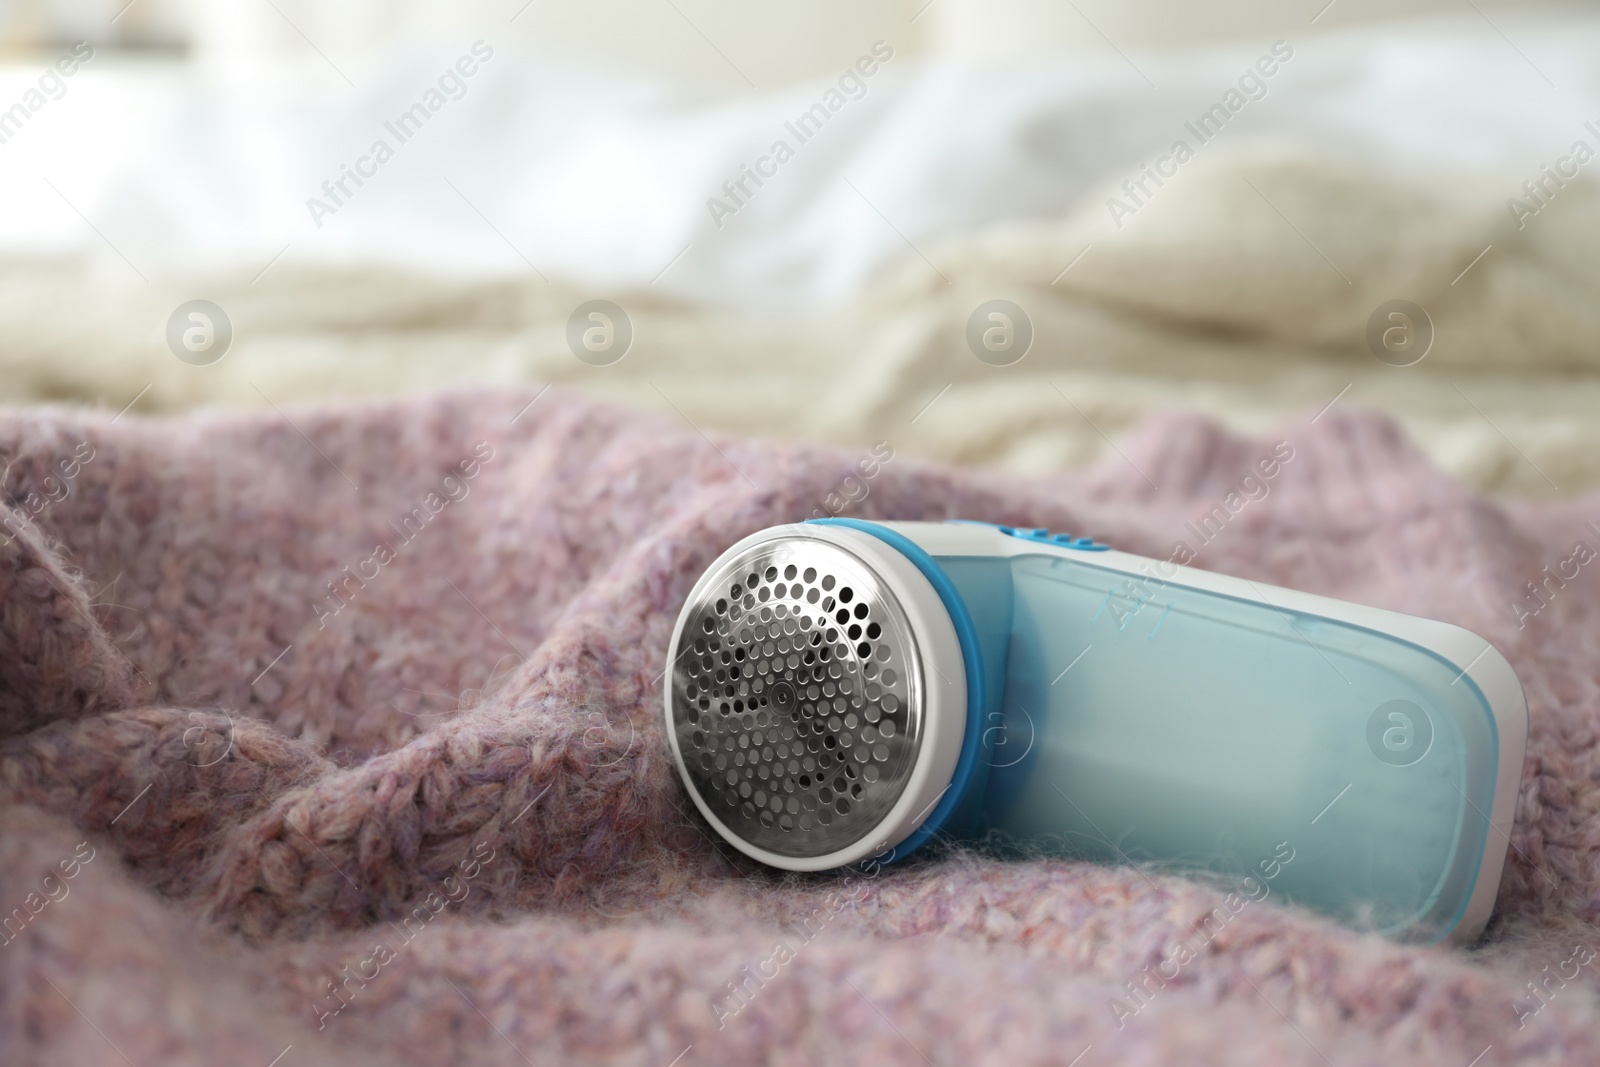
334 739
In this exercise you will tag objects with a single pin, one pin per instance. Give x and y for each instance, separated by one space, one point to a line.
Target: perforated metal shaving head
796 697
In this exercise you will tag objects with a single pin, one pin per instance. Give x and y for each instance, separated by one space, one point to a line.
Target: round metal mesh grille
797 697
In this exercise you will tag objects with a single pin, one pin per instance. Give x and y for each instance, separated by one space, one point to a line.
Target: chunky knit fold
357 712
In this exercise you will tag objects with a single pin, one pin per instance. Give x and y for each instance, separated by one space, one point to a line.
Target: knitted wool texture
453 754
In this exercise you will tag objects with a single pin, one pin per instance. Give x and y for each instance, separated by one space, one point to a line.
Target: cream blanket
1242 290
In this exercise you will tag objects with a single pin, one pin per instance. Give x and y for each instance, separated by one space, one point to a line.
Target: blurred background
775 42
943 162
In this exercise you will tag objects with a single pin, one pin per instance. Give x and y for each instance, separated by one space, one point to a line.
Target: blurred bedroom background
980 239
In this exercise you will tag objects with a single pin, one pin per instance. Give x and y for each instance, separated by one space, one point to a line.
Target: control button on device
1063 540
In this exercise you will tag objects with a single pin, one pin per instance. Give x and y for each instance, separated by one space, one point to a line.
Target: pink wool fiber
358 718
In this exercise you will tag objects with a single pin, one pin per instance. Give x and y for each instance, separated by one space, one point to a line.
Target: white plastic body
1474 657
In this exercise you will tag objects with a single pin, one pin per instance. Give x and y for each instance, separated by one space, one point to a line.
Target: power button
1060 540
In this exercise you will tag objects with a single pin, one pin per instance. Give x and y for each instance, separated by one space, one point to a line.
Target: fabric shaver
841 692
